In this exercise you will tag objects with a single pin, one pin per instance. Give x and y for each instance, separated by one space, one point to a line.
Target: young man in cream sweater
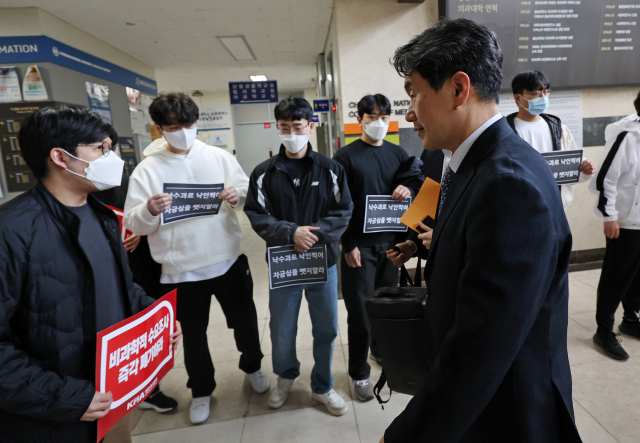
199 256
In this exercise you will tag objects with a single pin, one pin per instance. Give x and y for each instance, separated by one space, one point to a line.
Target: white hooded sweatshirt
194 243
617 181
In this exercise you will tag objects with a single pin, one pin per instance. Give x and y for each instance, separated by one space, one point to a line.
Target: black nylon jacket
276 210
48 318
555 125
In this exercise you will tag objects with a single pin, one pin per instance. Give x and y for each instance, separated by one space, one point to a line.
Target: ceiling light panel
238 47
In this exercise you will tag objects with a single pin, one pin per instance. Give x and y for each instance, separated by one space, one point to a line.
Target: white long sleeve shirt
617 183
195 243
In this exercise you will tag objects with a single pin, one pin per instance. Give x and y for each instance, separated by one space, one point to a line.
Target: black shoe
375 357
631 328
610 344
159 402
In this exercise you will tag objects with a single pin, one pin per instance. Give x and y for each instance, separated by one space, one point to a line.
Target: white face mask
104 173
182 139
294 143
376 130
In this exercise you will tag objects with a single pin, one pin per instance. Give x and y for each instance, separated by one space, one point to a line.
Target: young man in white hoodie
617 186
544 132
199 256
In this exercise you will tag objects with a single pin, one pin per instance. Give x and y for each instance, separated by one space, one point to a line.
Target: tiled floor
606 392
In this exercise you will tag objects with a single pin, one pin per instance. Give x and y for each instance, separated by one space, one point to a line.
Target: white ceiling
178 37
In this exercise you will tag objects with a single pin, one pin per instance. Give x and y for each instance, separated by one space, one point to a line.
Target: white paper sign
214 117
139 112
9 85
567 105
33 87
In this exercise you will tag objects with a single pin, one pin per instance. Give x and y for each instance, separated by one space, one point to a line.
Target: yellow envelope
423 206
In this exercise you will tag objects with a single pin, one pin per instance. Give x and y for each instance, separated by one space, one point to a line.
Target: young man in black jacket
544 132
146 273
63 277
301 198
371 165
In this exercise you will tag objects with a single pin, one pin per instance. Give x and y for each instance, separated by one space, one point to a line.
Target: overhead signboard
40 48
575 43
242 93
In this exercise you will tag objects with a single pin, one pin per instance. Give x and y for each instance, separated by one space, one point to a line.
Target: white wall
369 31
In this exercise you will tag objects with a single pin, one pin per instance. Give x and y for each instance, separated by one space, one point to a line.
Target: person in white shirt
200 256
545 132
617 186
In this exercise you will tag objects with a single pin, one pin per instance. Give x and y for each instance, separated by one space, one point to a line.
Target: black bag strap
378 388
405 279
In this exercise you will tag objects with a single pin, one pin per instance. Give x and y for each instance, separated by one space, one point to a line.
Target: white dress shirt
463 149
454 160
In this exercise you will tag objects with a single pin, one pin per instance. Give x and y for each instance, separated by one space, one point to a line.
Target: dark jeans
620 279
234 291
358 285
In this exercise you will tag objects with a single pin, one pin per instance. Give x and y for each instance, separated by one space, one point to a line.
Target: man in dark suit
498 259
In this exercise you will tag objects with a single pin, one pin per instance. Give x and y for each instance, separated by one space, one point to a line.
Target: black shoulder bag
397 317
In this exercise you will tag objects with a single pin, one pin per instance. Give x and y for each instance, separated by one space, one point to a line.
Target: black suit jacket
497 306
432 164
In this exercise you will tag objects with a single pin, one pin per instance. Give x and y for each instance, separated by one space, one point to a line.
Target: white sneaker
259 381
280 393
199 410
334 403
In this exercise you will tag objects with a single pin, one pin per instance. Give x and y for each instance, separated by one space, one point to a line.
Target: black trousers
358 285
234 291
620 279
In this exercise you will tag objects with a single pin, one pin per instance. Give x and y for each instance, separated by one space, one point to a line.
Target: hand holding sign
588 167
176 336
401 193
159 203
304 239
99 407
230 195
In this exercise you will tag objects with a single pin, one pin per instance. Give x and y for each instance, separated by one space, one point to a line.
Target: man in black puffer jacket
64 276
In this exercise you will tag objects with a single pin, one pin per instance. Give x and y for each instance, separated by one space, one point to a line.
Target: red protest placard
133 356
120 214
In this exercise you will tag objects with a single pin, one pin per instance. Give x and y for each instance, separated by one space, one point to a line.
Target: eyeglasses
539 93
296 131
105 147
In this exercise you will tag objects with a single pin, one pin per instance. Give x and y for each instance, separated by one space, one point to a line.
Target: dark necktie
444 185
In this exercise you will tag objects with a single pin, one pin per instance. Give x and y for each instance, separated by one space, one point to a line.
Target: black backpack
397 317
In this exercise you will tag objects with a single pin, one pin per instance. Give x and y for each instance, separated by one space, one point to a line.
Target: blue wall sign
316 118
253 92
321 106
40 48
